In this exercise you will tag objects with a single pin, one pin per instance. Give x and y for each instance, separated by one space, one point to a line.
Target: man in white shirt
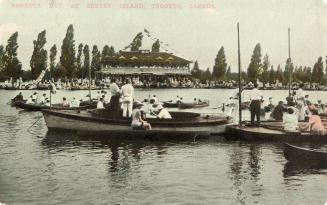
115 95
163 112
300 102
255 105
127 92
30 100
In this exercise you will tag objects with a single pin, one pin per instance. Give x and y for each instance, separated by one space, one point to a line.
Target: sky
195 29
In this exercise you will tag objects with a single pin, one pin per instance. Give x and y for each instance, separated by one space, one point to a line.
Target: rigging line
28 129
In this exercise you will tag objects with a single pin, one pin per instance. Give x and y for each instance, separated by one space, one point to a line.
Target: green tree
229 73
137 42
219 69
39 57
52 57
96 61
196 72
86 64
318 71
2 65
206 75
79 69
156 46
12 66
288 71
265 73
272 75
254 68
67 58
107 51
279 74
307 75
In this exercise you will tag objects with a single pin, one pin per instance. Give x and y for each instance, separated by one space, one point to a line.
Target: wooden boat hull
31 107
85 122
266 134
297 154
192 105
170 104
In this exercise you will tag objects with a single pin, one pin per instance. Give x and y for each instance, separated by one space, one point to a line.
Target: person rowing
19 97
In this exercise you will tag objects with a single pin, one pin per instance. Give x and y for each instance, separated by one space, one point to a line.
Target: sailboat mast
289 59
90 84
239 76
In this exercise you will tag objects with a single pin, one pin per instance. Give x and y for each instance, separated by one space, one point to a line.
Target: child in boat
65 103
315 125
30 100
137 121
290 120
100 104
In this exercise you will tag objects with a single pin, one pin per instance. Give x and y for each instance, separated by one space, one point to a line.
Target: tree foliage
67 58
196 72
96 60
137 42
318 71
52 57
220 66
156 46
86 64
265 66
12 66
107 52
39 57
254 68
79 69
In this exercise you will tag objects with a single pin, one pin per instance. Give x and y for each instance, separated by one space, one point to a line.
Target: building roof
144 56
142 71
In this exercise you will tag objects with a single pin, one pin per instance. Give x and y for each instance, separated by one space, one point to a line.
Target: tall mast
239 76
289 59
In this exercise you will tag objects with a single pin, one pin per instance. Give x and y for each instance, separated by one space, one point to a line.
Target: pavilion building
145 66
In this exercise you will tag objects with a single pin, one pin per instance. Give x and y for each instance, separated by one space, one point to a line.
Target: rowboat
271 131
305 155
33 107
170 104
183 105
102 121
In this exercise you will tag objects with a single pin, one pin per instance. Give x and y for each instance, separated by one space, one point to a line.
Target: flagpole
239 77
50 85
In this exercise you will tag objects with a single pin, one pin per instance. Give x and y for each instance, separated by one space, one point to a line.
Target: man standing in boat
127 92
115 95
300 102
255 105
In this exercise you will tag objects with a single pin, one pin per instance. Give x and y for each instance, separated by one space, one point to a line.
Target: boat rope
28 129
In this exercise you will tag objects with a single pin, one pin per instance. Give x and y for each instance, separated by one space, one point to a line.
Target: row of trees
70 64
261 68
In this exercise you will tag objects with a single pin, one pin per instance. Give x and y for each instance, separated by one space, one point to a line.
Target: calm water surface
37 167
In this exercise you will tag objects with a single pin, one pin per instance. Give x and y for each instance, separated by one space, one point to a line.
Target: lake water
37 167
